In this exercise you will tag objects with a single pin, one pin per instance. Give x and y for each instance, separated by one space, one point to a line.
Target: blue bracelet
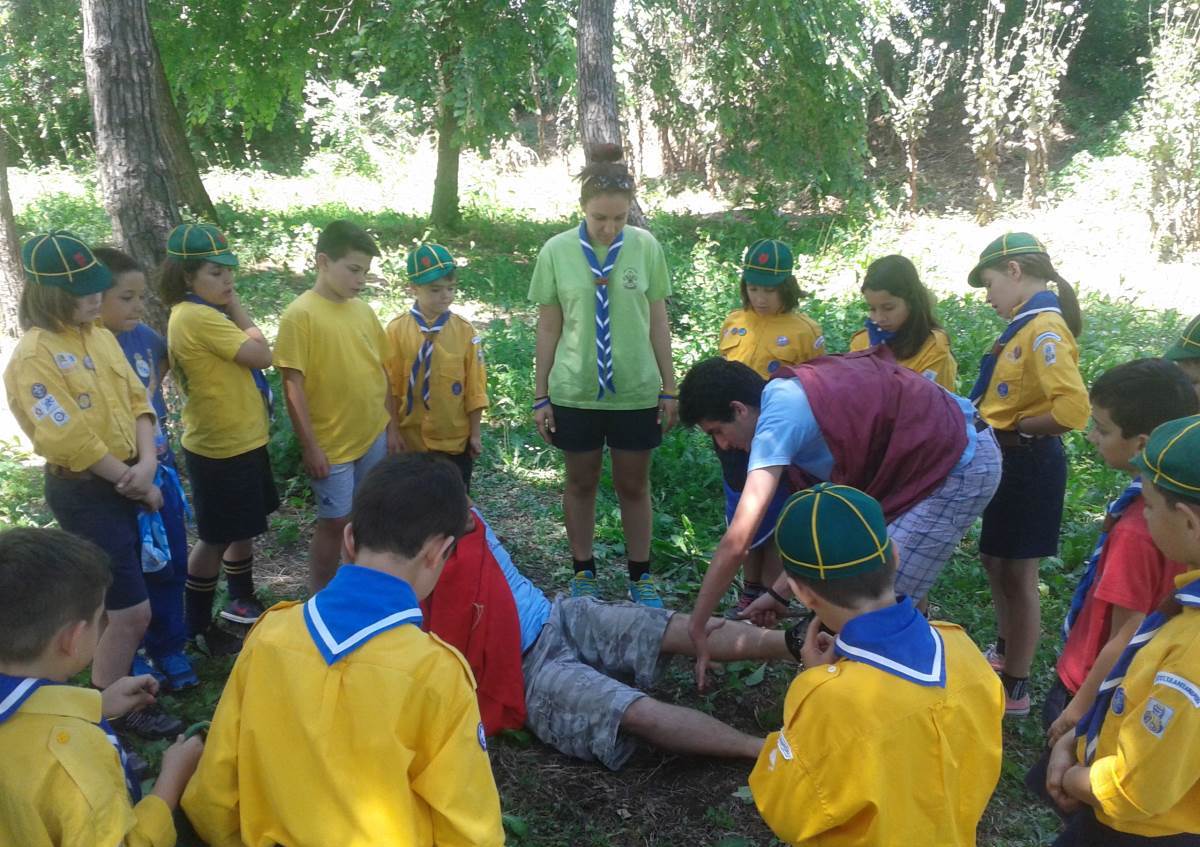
541 404
667 397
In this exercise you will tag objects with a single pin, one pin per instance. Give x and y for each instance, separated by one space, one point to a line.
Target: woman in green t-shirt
604 373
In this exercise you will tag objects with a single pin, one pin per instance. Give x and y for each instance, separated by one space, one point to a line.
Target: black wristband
793 638
779 598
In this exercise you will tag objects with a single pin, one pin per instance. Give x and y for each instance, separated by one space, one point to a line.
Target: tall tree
12 278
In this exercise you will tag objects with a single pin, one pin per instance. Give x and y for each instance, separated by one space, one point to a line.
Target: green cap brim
227 259
1182 351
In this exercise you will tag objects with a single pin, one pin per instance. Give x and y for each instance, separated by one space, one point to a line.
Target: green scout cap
200 241
1188 345
767 262
1171 458
832 532
1009 244
60 259
429 262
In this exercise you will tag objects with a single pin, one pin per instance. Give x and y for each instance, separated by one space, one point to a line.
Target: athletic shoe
141 666
645 593
1016 708
749 594
245 610
996 660
215 641
178 670
583 584
138 766
149 722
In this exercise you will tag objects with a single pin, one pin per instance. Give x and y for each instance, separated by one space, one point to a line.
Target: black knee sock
1000 645
637 570
585 565
239 576
1015 686
198 601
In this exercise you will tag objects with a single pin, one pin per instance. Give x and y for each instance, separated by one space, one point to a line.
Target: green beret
767 262
200 241
1171 458
60 259
1007 245
1188 344
832 532
429 262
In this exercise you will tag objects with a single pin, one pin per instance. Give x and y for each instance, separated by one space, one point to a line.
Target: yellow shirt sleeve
218 335
47 409
292 341
1055 363
859 341
397 363
475 375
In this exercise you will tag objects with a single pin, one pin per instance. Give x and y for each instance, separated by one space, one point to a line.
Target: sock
198 600
584 565
637 570
239 576
1000 646
1014 686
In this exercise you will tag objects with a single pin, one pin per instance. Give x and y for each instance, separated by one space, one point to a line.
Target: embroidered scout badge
1157 717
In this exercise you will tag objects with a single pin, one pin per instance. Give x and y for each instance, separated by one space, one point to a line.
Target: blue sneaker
178 670
141 666
645 593
583 584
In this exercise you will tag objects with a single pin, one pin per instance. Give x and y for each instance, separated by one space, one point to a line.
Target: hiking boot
749 594
178 670
996 660
141 666
645 593
245 610
215 641
149 722
583 584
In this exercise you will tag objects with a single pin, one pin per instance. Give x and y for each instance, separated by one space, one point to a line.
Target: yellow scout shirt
223 412
340 349
767 342
867 758
62 785
75 396
382 747
934 361
457 383
1146 771
1037 372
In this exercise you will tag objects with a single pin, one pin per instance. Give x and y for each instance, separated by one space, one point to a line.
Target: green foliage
21 502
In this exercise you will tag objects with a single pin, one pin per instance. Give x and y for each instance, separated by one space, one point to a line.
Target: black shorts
584 430
231 497
464 463
1083 830
1024 518
92 509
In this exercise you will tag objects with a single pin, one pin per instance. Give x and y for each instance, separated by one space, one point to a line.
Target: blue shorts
766 528
335 493
1024 518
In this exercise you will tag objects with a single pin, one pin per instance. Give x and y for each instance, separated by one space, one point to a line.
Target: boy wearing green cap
892 731
1185 352
330 352
1130 772
435 365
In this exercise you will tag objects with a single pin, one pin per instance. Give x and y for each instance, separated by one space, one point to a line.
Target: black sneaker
149 722
215 641
138 766
245 610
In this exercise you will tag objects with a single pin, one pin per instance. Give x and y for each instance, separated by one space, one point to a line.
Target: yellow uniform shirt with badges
868 758
388 750
1146 770
62 784
75 395
1037 372
768 342
340 349
934 361
457 383
223 413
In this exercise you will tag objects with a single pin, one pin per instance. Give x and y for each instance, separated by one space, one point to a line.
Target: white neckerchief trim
338 647
17 694
1188 599
934 675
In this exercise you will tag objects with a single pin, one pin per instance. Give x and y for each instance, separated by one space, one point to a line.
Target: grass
658 799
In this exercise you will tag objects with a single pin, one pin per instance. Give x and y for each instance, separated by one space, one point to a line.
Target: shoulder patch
930 374
1187 688
1045 338
785 749
819 343
1049 353
482 736
1157 717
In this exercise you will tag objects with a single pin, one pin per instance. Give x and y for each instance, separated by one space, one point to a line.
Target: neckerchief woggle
1043 301
875 335
897 640
1115 509
424 355
358 604
260 379
1111 693
604 362
15 690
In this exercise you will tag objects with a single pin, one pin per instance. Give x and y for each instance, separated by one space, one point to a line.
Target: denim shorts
335 493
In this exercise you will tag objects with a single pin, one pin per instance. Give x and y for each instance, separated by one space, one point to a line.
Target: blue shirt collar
358 604
897 640
15 690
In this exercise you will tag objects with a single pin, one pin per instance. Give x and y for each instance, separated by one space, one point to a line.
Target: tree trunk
911 148
445 213
12 277
180 161
141 194
597 83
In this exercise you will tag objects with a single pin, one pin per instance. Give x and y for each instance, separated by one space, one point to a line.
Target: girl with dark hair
603 365
901 316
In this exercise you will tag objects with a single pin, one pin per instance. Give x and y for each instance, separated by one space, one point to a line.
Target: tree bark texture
141 193
445 212
180 161
12 277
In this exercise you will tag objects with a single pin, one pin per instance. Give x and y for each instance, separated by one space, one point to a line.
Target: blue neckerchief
1115 509
260 378
424 355
358 604
1111 697
15 690
604 361
876 335
156 548
897 640
1043 301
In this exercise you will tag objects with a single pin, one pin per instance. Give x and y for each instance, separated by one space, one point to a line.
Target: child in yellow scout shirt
83 407
1029 392
435 363
330 351
1131 772
66 779
343 722
216 352
901 316
765 334
1185 352
892 731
